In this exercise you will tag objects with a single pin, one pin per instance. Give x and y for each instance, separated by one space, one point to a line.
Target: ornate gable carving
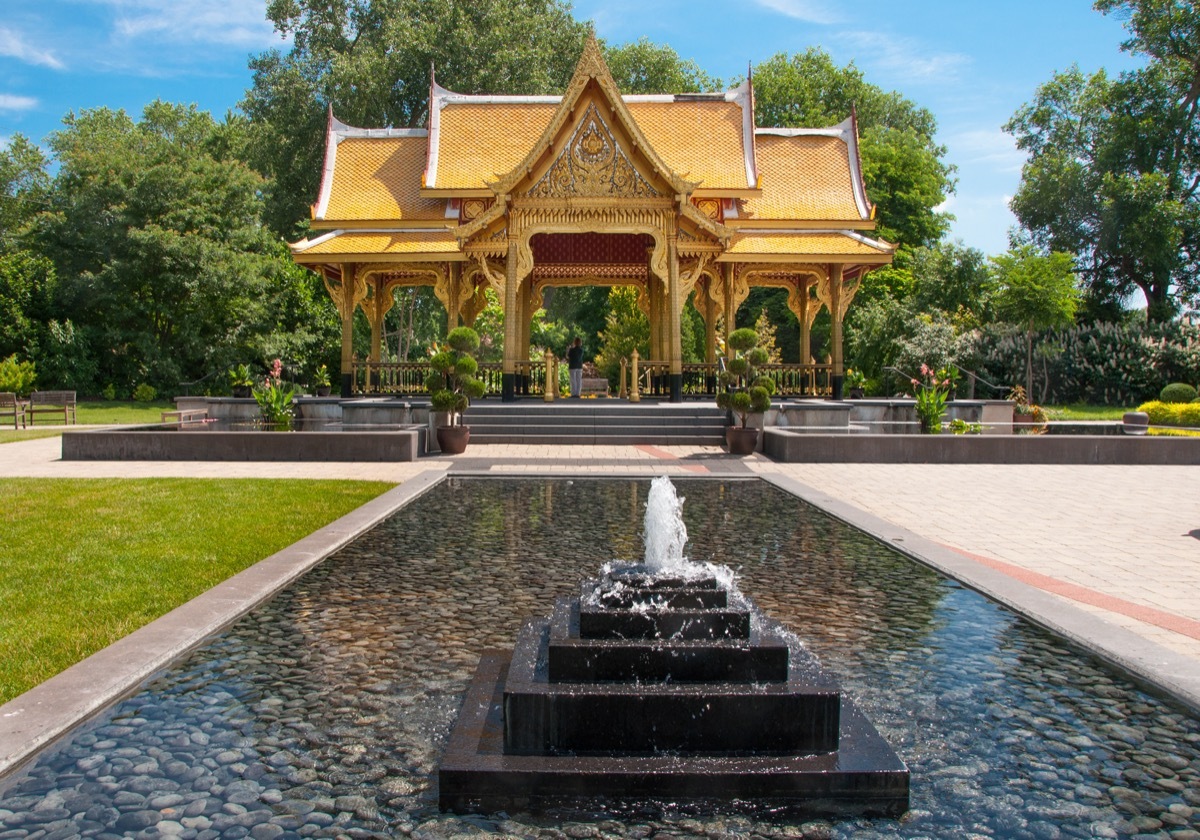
592 164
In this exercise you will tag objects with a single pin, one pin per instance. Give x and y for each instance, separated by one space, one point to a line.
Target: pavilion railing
408 378
699 379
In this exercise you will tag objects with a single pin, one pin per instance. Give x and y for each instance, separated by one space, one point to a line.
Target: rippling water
323 712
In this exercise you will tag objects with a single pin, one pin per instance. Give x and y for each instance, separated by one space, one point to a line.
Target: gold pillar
805 322
454 273
710 327
730 311
346 310
835 333
674 314
511 323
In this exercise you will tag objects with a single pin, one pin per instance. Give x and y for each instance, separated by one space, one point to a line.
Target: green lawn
84 562
1082 411
124 413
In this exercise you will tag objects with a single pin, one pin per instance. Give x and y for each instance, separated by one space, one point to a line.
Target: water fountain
660 683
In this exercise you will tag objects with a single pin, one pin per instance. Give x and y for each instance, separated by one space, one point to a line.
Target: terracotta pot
453 440
741 441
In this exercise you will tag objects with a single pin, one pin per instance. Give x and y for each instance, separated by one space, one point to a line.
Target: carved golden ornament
710 207
592 164
849 288
472 208
346 295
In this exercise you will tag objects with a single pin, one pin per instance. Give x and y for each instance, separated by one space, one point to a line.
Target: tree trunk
1029 363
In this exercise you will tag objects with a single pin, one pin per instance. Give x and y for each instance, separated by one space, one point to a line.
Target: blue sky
971 63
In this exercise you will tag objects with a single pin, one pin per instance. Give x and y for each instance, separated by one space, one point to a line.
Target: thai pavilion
681 196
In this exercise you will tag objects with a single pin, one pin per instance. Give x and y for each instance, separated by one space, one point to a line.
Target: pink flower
924 369
915 382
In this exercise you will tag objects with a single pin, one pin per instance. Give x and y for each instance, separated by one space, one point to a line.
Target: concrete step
621 439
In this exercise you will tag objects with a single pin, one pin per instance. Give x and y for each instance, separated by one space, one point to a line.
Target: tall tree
371 60
642 66
164 267
904 169
1113 175
1037 291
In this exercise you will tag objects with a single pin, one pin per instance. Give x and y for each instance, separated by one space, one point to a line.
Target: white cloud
12 102
904 59
15 45
991 147
811 11
243 23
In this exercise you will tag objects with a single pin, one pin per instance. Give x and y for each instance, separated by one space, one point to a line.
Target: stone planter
241 391
741 441
1135 422
453 440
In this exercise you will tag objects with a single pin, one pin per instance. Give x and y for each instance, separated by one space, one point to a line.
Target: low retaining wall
405 444
790 447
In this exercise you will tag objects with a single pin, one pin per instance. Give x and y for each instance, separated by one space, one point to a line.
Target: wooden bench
185 415
51 402
593 386
11 406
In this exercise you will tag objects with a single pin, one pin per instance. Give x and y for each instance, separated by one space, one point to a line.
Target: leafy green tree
1113 175
642 66
166 273
904 169
1037 291
24 184
27 286
371 59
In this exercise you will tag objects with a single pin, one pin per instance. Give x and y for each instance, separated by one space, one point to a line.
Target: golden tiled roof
378 178
701 140
480 141
384 243
802 244
805 177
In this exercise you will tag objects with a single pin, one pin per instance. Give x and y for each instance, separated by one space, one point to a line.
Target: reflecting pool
323 712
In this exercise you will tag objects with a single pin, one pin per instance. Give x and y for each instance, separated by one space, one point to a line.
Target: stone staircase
596 422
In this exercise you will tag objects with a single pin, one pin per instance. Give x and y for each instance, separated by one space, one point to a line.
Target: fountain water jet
664 533
661 686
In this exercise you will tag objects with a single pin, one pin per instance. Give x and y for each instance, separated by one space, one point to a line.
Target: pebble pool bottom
323 712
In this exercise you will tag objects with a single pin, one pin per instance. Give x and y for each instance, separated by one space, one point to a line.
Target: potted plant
320 381
241 380
746 392
452 385
856 382
1027 417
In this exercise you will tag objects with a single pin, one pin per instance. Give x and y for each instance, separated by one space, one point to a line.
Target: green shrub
1177 392
145 393
110 392
17 377
1172 414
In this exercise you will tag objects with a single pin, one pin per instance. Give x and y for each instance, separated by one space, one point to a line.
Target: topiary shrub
747 393
452 383
145 393
1178 392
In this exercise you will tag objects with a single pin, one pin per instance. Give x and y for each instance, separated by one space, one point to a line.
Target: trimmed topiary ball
1178 392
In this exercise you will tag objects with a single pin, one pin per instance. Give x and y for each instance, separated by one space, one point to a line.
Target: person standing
575 366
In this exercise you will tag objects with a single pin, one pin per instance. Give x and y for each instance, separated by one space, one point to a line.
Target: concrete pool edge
35 719
1167 671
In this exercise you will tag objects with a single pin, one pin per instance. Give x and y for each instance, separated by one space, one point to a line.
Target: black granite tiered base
647 693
